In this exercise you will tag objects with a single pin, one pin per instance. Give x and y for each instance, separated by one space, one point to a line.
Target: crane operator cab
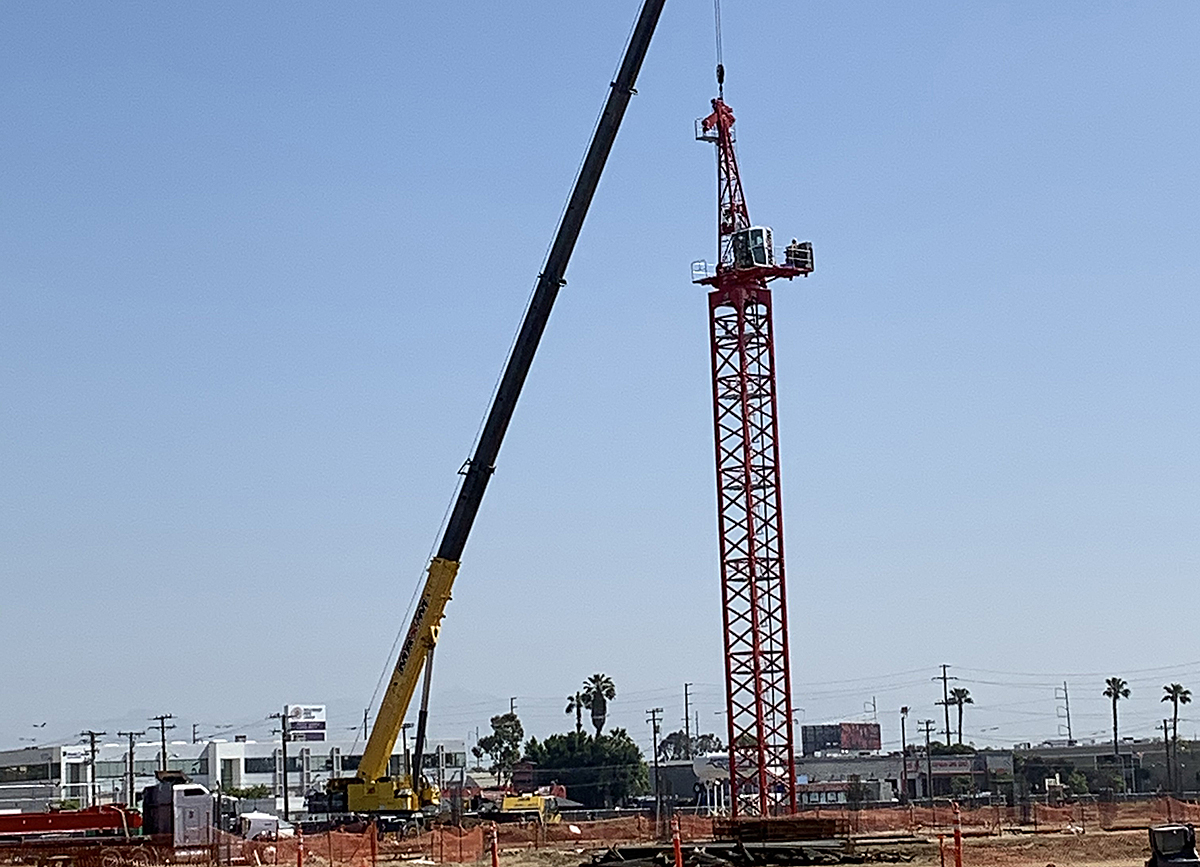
752 248
1172 845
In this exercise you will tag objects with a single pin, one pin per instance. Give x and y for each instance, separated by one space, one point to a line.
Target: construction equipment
1173 845
372 790
176 825
101 820
762 772
526 808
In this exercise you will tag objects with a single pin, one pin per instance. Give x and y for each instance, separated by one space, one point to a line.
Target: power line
655 713
163 728
283 739
129 766
91 736
945 702
926 726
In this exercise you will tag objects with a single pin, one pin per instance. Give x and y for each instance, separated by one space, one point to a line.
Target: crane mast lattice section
750 513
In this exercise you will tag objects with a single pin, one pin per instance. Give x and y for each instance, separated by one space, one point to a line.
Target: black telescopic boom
483 461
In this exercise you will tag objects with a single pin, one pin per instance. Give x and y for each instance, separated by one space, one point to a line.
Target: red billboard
857 737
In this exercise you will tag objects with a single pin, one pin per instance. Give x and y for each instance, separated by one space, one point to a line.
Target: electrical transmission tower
762 773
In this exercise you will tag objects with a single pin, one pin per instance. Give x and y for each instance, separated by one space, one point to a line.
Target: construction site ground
1104 834
1102 848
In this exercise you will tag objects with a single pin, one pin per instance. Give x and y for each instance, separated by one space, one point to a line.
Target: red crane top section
732 215
745 255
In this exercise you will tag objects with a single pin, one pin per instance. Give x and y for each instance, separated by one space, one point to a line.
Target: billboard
814 739
840 737
305 722
857 737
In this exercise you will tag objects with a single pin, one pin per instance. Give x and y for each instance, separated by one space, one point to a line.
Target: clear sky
260 265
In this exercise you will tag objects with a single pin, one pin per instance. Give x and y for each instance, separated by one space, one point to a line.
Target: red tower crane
750 515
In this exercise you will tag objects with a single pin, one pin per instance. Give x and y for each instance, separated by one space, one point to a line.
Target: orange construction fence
445 844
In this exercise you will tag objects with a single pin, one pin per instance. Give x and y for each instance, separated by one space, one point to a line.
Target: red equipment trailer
105 819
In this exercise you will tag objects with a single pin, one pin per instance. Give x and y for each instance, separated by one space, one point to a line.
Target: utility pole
903 757
654 731
872 708
91 736
162 730
926 729
1066 708
283 739
129 794
365 711
687 721
195 737
512 705
1169 762
945 702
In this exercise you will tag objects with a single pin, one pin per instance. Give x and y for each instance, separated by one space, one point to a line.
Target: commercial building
34 778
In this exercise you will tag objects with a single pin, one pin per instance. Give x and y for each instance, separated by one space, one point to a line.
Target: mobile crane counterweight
372 790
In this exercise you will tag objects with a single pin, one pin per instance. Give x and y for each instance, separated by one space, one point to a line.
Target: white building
33 778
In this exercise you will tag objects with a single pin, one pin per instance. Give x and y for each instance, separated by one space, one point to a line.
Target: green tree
676 745
1116 689
960 696
575 705
262 790
1077 783
1106 777
598 691
601 771
503 746
1177 695
937 748
963 784
858 793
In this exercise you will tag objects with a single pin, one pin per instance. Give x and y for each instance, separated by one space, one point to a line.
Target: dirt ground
1125 848
1098 849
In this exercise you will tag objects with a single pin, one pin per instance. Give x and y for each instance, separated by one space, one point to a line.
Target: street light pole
404 746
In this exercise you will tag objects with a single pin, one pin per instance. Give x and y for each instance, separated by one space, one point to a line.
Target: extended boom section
372 789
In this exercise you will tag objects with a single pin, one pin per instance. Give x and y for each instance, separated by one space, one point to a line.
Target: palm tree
960 696
1116 689
1177 695
575 705
598 690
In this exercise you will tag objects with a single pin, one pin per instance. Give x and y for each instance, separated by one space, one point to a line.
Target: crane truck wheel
142 857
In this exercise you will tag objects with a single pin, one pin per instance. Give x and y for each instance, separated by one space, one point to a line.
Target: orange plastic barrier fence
331 849
451 845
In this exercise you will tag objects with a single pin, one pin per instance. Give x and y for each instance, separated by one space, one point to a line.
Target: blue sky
260 267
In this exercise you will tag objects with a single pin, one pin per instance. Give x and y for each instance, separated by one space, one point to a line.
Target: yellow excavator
372 791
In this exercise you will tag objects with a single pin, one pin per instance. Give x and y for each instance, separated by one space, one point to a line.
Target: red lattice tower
750 514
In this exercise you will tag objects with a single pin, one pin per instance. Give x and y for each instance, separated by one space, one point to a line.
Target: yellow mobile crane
372 790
